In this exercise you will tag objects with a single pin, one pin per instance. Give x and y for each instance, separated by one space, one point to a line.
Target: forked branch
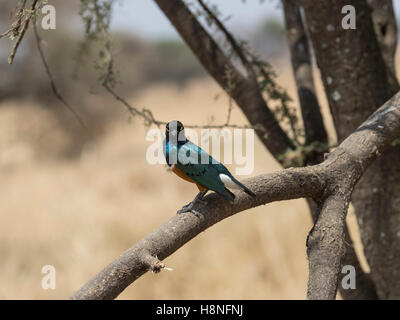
284 185
329 183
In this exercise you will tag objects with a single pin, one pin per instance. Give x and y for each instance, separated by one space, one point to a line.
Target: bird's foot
189 207
186 208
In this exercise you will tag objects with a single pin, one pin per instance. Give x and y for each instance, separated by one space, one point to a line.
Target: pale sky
143 17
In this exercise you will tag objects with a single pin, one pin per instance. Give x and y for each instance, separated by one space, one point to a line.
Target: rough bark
365 288
356 81
324 271
352 68
329 184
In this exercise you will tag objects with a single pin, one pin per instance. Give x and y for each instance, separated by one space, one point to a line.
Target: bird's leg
199 198
190 205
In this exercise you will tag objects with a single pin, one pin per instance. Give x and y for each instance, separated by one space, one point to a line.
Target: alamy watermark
238 148
349 20
49 17
349 280
49 280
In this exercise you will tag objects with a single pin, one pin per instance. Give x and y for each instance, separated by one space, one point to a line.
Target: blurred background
76 198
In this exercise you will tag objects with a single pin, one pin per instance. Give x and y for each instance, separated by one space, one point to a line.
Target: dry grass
80 214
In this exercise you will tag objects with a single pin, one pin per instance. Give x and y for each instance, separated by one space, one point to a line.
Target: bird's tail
244 188
228 195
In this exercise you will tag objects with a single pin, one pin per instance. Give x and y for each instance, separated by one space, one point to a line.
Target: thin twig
146 114
53 85
235 46
6 33
19 15
15 27
22 33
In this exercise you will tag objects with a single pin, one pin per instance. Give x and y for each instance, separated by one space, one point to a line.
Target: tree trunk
357 82
316 135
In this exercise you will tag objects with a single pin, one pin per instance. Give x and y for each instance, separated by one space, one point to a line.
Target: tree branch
365 288
357 81
283 185
329 183
109 80
245 92
235 46
22 32
346 165
53 85
147 114
15 26
326 247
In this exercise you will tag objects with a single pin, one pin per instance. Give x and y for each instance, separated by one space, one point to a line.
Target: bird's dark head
175 131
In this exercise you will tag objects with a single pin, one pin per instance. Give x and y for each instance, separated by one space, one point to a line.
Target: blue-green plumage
189 160
197 164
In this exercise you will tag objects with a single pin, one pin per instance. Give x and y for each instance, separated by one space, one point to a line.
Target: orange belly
182 175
